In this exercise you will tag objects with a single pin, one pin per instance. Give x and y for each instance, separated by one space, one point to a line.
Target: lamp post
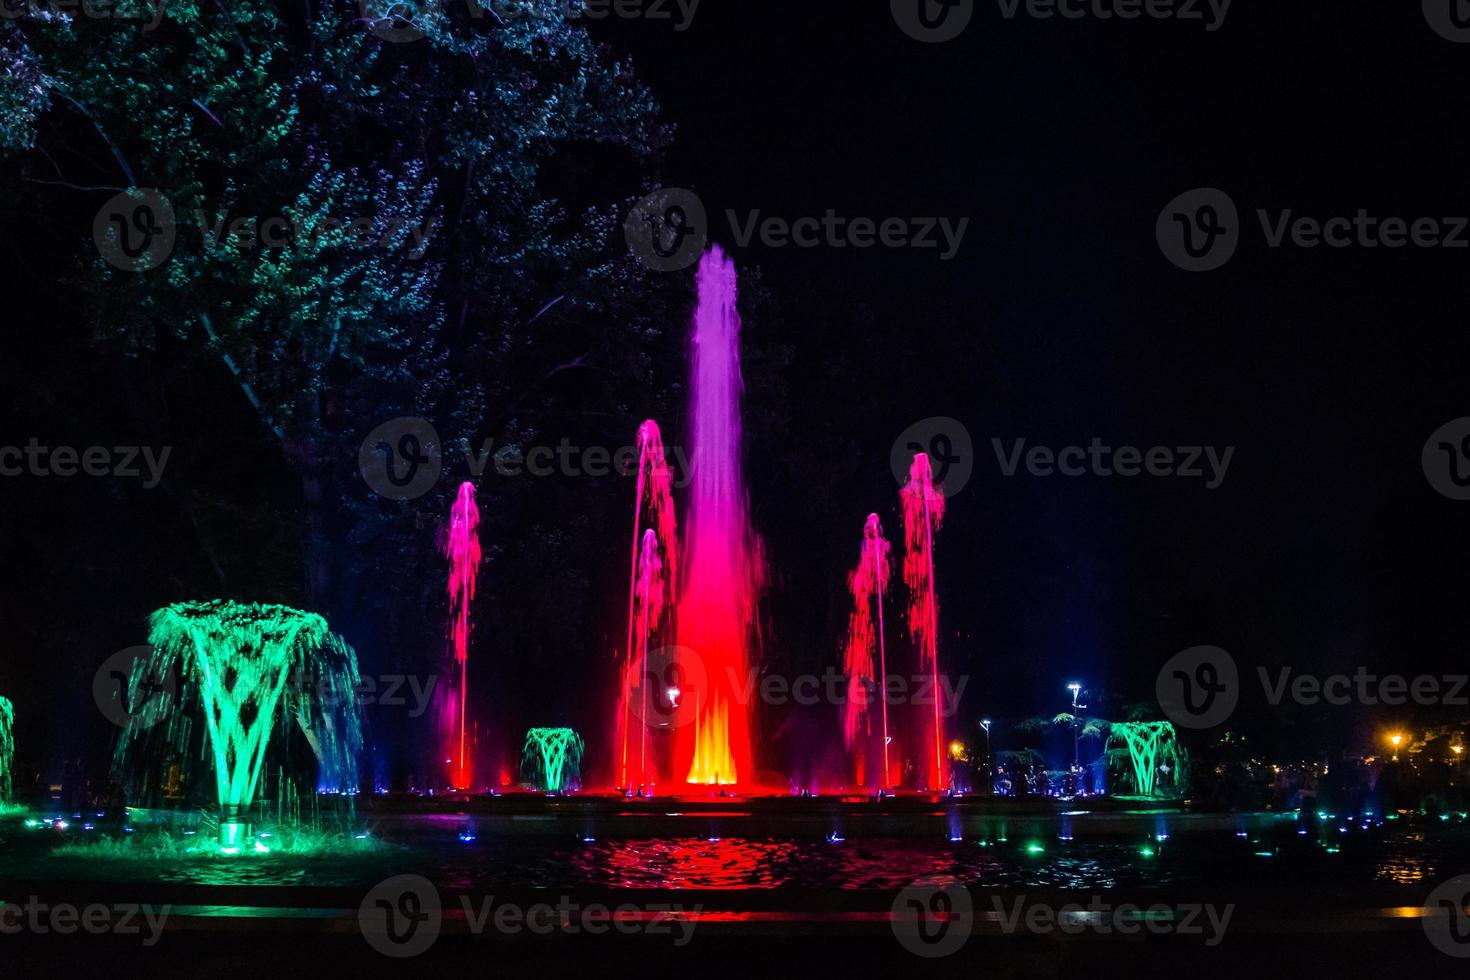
1076 690
989 778
1395 739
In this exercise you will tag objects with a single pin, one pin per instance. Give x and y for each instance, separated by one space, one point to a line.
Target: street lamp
1076 690
989 779
1395 739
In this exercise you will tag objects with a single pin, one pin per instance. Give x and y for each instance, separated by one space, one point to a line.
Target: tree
478 239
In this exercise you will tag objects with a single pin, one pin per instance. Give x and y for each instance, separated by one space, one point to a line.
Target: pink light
868 582
462 548
923 510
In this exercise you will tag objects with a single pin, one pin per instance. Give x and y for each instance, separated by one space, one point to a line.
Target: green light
241 658
552 757
1149 743
1265 854
1035 849
1147 852
7 747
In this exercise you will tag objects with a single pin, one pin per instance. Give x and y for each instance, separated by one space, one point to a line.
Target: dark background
1059 321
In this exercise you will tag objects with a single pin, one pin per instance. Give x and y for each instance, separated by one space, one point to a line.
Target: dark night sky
1060 321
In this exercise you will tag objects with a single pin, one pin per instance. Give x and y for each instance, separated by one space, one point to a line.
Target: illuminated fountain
652 577
246 669
868 583
721 555
552 758
1154 751
7 750
923 510
462 548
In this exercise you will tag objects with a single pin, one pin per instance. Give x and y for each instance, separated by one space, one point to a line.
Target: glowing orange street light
1395 740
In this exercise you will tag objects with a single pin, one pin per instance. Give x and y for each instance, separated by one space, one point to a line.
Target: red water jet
923 510
868 582
651 581
721 553
462 548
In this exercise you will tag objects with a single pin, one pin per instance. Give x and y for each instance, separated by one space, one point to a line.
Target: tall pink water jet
868 582
721 553
462 548
652 578
923 510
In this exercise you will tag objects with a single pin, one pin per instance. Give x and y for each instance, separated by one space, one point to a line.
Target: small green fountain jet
252 665
7 749
552 758
1153 747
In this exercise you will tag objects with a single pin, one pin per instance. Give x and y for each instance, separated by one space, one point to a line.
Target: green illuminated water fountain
250 671
552 758
7 749
1159 763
